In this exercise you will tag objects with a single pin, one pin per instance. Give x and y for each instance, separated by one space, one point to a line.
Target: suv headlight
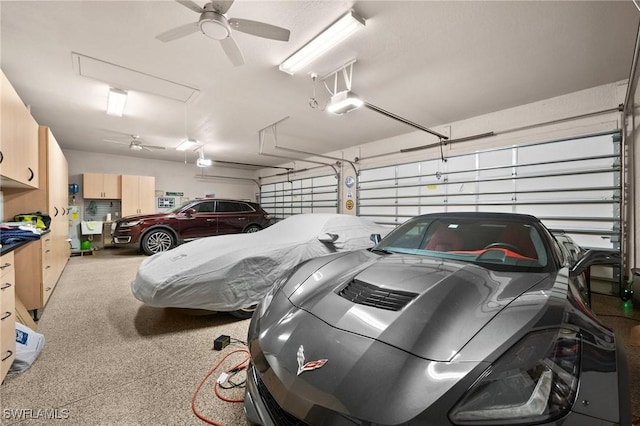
534 381
130 223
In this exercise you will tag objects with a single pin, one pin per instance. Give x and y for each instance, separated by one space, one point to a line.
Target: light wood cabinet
101 186
40 264
138 195
19 136
34 278
7 313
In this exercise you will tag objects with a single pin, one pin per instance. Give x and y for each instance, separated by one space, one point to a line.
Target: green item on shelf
85 245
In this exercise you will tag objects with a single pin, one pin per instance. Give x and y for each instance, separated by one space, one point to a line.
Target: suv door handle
242 218
211 220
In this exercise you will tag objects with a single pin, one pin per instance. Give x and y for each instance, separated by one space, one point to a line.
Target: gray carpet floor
110 360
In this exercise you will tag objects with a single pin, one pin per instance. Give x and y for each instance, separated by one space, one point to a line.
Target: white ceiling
431 62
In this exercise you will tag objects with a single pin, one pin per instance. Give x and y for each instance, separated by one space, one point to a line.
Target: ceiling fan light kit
116 102
340 30
343 102
214 24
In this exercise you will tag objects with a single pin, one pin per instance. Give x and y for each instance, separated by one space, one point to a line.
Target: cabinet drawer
7 344
7 264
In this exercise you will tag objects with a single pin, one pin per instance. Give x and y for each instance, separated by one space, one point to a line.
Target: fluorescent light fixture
326 40
203 162
186 144
343 102
115 103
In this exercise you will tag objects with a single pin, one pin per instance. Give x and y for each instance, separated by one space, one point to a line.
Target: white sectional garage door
572 185
310 195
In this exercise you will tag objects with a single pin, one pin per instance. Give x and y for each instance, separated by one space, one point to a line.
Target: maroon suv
154 233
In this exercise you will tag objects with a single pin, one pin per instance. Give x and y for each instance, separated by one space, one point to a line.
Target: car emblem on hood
311 365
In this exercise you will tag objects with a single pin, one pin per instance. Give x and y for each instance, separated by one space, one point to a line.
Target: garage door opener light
201 161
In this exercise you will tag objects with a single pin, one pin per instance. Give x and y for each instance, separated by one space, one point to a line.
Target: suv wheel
156 241
252 228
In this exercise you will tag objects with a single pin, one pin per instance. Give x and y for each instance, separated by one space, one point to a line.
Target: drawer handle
47 267
6 265
5 286
5 316
6 357
48 251
47 289
32 174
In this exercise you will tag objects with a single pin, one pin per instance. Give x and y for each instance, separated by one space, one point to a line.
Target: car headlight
130 223
534 381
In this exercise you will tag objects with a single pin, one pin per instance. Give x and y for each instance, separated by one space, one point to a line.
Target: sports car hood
425 306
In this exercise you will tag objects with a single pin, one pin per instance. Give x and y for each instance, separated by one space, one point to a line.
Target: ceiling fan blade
260 29
222 6
150 147
233 51
191 5
118 142
178 32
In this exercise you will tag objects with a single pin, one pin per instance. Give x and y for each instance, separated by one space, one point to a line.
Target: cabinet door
147 194
19 136
112 187
130 195
93 185
29 274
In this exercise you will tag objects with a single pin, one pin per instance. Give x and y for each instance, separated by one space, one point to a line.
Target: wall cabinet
19 136
101 186
138 195
7 313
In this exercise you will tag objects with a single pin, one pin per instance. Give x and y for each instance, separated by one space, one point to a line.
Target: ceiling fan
214 24
135 144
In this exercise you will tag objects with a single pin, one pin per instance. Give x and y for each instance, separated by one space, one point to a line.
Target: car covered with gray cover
452 319
232 273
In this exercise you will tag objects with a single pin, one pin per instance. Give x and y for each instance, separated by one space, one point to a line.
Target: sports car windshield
494 244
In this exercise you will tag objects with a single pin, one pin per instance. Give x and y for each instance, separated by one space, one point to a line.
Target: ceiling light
135 147
343 102
203 162
115 103
186 144
330 37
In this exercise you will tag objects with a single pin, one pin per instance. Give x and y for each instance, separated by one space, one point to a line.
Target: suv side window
230 207
205 207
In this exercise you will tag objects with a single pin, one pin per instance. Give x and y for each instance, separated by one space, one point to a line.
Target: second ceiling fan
214 24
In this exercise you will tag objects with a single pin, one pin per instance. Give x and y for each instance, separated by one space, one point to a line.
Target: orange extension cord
240 366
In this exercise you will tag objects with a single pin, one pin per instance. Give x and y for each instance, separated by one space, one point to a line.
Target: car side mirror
190 212
595 257
328 238
376 238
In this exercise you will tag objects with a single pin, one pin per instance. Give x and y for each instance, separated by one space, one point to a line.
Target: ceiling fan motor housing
214 25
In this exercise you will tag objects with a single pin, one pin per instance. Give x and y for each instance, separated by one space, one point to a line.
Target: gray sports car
453 318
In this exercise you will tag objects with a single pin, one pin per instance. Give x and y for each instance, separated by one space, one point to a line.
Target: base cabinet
7 313
35 279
